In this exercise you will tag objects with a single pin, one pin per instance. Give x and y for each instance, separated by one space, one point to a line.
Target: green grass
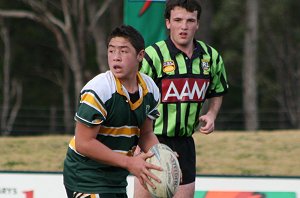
41 153
263 153
249 153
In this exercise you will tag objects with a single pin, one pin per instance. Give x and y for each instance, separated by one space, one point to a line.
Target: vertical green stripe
184 107
158 122
191 118
158 62
181 61
172 117
167 56
203 46
196 66
148 67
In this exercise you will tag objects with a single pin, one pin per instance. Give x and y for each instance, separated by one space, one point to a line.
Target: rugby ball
170 175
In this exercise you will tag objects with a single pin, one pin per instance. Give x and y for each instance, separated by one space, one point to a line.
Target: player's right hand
138 166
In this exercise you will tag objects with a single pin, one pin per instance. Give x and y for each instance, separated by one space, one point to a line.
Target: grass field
275 153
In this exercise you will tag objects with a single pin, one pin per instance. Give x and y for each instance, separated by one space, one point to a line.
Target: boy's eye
192 20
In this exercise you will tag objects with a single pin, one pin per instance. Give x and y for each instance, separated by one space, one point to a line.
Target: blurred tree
227 31
12 88
250 65
280 43
205 25
63 44
72 24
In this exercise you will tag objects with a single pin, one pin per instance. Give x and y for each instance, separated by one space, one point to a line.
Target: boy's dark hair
189 5
130 33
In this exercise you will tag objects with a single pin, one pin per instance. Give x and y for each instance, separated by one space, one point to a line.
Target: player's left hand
207 124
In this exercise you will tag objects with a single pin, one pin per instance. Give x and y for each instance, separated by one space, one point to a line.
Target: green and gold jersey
184 84
105 101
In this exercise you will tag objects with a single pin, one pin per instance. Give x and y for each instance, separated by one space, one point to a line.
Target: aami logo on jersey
184 89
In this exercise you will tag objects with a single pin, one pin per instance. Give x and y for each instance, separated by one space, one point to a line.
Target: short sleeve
219 85
91 110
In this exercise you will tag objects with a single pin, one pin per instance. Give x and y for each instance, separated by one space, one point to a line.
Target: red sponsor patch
184 89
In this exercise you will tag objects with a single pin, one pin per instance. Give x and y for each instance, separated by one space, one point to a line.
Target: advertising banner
49 185
147 17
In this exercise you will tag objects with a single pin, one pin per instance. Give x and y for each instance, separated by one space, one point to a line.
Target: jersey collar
143 90
198 50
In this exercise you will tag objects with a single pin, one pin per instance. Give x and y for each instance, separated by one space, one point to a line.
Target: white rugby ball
170 175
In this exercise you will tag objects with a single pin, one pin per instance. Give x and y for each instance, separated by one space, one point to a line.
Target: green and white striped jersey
184 84
105 101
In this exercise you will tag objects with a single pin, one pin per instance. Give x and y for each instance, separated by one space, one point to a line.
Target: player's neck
187 49
131 85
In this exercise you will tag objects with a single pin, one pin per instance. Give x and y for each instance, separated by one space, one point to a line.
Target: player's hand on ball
150 175
170 176
140 168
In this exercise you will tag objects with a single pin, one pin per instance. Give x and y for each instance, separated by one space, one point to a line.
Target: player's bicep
84 135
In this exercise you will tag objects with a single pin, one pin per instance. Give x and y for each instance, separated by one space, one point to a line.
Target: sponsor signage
184 89
49 185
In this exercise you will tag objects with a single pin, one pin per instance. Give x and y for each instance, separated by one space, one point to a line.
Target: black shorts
185 148
72 194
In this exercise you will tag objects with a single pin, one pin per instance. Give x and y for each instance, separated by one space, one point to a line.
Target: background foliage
38 64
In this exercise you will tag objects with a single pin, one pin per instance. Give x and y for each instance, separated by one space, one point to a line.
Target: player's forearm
147 140
99 152
214 106
147 137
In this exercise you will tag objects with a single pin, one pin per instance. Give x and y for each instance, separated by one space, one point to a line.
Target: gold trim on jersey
72 143
120 131
91 100
143 84
128 132
144 90
72 146
127 153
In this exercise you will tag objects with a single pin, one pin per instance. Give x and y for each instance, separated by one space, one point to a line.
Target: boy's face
123 60
182 25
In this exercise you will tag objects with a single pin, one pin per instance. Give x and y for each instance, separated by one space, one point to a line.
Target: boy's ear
140 55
